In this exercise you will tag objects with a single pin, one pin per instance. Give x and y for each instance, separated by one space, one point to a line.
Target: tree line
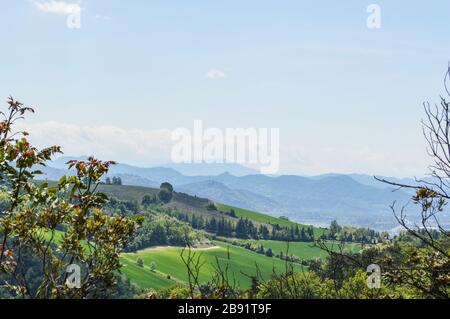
244 228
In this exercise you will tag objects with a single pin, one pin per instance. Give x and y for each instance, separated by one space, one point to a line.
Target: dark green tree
165 196
167 186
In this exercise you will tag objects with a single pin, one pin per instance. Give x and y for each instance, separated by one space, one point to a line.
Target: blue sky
345 97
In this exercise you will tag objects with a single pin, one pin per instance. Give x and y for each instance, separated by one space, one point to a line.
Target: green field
169 262
305 251
264 219
192 204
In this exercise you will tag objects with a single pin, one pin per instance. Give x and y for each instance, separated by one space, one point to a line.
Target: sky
346 98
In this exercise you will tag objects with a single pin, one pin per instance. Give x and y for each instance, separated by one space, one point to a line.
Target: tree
166 186
153 266
117 181
416 264
431 261
29 227
269 252
211 207
303 236
335 228
265 234
140 262
241 231
165 196
212 225
148 200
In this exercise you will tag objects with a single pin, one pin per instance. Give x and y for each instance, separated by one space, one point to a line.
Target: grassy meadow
242 262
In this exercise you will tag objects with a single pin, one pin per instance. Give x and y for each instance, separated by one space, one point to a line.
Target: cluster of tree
211 207
245 229
293 233
405 236
160 229
113 181
116 206
231 212
164 196
148 200
354 234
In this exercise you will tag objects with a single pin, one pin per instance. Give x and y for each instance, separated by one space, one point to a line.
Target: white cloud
153 147
102 17
134 146
57 7
215 74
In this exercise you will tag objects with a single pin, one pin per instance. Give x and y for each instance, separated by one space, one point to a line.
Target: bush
303 286
149 199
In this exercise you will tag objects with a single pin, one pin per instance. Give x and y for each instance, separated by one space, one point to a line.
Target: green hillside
169 262
264 219
303 250
170 269
196 205
182 202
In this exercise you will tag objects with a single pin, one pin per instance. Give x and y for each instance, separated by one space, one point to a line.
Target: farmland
168 262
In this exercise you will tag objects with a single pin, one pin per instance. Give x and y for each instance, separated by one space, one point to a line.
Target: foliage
296 286
211 207
93 240
353 234
158 228
149 200
165 196
245 228
167 186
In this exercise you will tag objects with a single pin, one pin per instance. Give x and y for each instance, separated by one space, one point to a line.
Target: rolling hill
355 199
242 263
196 205
170 269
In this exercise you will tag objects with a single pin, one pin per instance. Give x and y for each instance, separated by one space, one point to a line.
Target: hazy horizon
346 98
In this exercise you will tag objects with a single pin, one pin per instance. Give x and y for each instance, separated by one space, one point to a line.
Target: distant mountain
319 201
370 180
235 197
51 173
211 169
354 199
148 176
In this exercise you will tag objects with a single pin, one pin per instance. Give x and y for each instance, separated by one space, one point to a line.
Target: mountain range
354 199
